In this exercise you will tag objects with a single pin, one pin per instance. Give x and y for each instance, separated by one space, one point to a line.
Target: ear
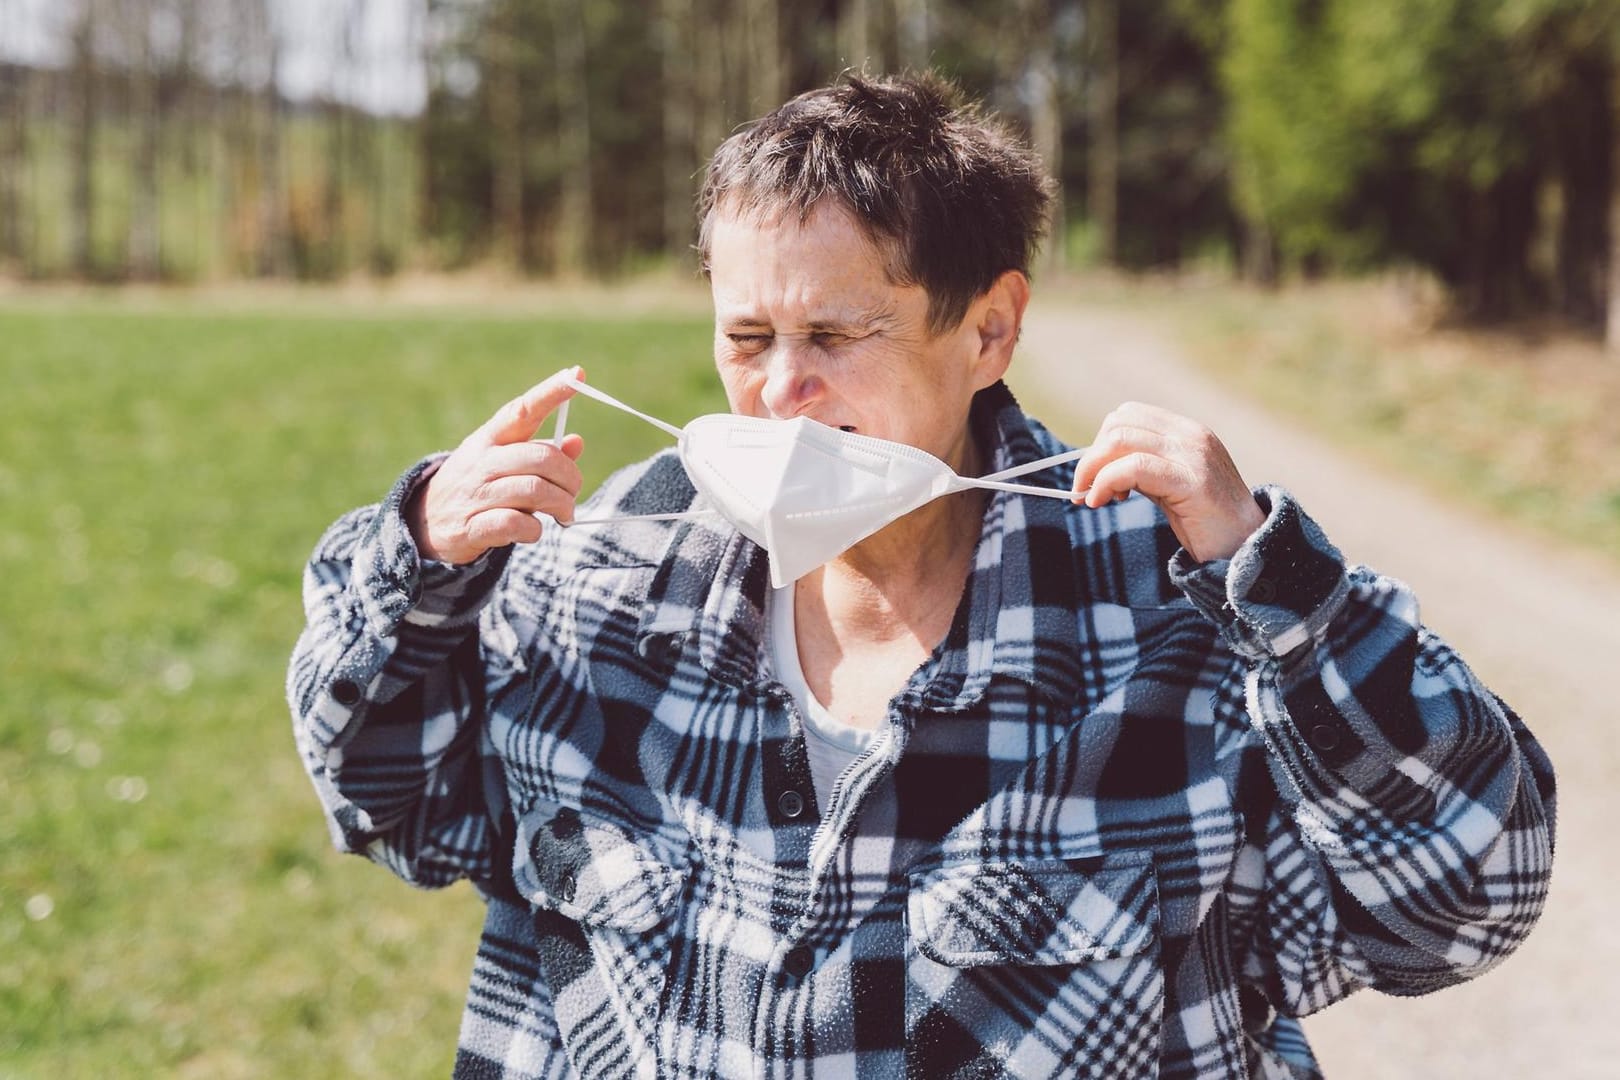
1000 315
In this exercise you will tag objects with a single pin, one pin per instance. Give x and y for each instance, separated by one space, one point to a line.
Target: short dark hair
954 197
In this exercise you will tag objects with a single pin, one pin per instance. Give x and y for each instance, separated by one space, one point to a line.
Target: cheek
741 385
935 369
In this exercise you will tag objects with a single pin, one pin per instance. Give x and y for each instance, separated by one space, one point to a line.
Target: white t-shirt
831 743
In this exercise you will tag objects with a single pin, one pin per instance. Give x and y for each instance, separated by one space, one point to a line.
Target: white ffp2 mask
803 491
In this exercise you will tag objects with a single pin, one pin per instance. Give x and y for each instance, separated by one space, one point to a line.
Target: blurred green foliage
1457 135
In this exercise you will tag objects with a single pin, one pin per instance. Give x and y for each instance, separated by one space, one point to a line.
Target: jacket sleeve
386 691
1410 841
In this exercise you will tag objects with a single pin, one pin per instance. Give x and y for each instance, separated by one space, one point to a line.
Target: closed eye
749 343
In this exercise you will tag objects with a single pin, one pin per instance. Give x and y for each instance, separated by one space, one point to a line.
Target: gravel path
1540 624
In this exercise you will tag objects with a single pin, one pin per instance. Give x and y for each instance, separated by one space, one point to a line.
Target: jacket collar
1017 617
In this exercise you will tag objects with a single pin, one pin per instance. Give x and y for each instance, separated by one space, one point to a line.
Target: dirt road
1539 623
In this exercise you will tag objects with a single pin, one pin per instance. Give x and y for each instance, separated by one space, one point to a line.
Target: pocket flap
592 872
1066 911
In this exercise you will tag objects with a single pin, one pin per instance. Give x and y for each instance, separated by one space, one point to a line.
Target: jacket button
1262 592
567 885
1324 737
346 692
799 961
791 803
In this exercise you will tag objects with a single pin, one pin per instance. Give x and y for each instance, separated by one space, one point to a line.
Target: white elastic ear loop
608 399
995 481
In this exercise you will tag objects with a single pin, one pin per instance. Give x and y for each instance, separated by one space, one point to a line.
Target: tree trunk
273 216
912 33
507 178
764 52
1612 327
574 209
854 34
145 220
708 83
13 163
678 124
1046 120
188 122
1102 160
1495 283
1260 259
328 250
82 229
1583 129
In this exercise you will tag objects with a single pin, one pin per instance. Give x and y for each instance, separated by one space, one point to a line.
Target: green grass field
169 901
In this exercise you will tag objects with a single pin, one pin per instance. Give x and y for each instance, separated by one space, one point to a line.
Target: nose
793 379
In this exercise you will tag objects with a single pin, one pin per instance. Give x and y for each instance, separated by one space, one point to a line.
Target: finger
1154 476
1152 417
536 458
517 420
528 493
572 445
1114 441
502 526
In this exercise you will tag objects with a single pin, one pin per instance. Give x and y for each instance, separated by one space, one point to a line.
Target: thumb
517 420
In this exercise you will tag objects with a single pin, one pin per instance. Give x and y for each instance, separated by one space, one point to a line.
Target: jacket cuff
396 585
1279 591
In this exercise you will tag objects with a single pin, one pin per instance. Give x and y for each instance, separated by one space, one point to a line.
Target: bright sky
386 74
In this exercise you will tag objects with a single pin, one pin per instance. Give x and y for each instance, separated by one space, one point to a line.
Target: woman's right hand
486 493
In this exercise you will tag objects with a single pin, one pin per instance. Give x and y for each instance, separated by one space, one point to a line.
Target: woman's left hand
1182 467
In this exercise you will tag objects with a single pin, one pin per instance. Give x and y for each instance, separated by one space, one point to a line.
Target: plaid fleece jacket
1125 822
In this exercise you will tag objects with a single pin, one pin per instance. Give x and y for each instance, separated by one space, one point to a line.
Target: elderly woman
824 744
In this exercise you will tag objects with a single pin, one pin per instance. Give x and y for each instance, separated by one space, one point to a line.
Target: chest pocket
1034 969
602 900
593 873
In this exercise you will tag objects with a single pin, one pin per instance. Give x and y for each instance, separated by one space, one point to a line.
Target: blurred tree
1459 135
15 106
136 28
1161 166
83 209
913 22
1102 115
1044 94
574 215
677 124
507 51
262 39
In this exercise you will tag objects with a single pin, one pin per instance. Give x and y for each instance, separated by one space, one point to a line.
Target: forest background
185 140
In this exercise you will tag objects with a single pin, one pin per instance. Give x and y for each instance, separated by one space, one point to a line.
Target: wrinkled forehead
775 211
819 277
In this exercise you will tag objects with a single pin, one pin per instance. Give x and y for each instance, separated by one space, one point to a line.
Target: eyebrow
875 317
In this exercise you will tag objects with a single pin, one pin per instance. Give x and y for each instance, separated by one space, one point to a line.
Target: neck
904 581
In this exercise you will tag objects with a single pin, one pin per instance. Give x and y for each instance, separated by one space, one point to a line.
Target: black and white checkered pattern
1122 823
